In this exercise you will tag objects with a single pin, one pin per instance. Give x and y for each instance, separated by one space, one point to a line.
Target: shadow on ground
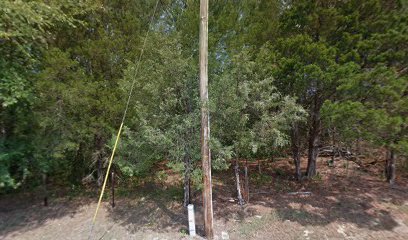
358 199
25 212
151 207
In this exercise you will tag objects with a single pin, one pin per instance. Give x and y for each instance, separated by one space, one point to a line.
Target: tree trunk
78 166
99 172
113 188
259 167
99 162
296 151
347 163
44 179
246 182
187 189
314 132
386 168
333 157
239 194
390 167
358 145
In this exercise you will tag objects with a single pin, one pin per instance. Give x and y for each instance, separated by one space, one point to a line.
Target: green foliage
165 113
375 107
12 171
371 103
26 28
66 68
251 116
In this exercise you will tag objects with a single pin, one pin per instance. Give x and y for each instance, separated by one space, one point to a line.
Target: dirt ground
343 202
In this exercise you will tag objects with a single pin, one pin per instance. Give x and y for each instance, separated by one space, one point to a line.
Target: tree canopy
283 75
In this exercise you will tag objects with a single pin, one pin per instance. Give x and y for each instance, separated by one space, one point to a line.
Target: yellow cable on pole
123 120
107 172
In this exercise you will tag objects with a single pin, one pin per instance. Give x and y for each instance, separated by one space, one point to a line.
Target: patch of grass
261 179
302 216
282 186
317 177
296 215
76 191
255 224
172 193
403 208
161 176
150 191
279 172
122 192
184 232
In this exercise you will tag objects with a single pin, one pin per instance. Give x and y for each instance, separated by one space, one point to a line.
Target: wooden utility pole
205 128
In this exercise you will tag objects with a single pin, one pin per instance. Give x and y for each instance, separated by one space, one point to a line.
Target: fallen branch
300 193
261 193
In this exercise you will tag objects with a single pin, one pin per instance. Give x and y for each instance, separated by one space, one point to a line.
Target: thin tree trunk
358 144
314 132
246 181
259 167
99 163
78 167
386 167
113 188
347 163
296 151
99 172
334 147
44 179
390 167
239 194
187 190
